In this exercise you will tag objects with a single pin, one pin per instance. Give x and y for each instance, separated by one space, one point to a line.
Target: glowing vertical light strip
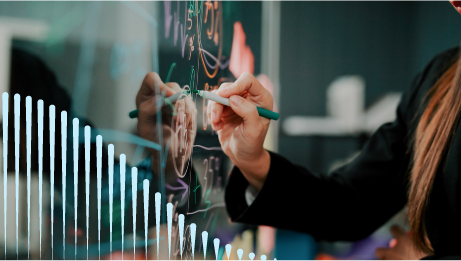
240 253
87 180
29 138
122 194
40 165
52 114
169 215
228 250
17 125
216 247
134 188
99 159
75 125
181 231
158 197
63 158
111 190
5 156
204 243
193 229
145 191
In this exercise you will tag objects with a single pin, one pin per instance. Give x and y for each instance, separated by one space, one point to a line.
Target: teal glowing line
63 156
111 188
5 155
99 159
87 181
52 115
17 124
119 136
75 125
167 79
122 194
134 187
145 191
221 253
29 139
40 165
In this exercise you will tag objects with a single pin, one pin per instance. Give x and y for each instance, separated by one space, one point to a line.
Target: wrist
256 171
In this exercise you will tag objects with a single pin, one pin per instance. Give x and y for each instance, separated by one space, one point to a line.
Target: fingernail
236 100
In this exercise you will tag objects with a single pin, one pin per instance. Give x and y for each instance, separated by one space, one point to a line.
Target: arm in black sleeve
349 204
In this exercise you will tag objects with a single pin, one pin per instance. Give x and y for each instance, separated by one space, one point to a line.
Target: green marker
173 98
225 101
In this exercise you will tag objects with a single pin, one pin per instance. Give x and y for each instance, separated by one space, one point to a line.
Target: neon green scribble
207 194
192 79
197 186
195 10
170 72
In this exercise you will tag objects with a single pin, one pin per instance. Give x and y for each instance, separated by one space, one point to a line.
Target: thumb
246 110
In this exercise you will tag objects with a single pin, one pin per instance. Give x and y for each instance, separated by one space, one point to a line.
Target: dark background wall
386 43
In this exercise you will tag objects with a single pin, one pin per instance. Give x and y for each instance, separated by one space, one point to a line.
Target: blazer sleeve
349 203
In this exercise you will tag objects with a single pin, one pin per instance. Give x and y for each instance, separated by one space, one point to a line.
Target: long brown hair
432 140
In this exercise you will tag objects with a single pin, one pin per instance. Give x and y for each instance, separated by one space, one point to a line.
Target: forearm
256 171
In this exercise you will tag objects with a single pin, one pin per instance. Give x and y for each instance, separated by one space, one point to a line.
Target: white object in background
345 112
381 112
18 29
345 102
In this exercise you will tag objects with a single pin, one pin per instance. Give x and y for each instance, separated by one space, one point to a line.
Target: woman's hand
240 130
180 143
400 248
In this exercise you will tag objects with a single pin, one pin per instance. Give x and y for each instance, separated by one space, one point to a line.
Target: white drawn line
209 148
218 205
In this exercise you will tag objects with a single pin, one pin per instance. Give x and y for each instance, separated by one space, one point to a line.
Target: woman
414 161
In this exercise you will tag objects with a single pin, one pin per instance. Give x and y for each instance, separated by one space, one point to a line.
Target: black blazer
353 201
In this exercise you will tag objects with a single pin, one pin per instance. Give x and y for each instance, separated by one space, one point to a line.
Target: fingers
397 231
216 114
245 83
247 110
173 86
386 254
146 118
382 253
181 111
392 243
150 85
248 83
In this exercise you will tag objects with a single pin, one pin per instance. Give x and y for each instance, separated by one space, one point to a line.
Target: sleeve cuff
250 194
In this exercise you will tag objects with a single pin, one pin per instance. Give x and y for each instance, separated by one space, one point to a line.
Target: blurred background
336 70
